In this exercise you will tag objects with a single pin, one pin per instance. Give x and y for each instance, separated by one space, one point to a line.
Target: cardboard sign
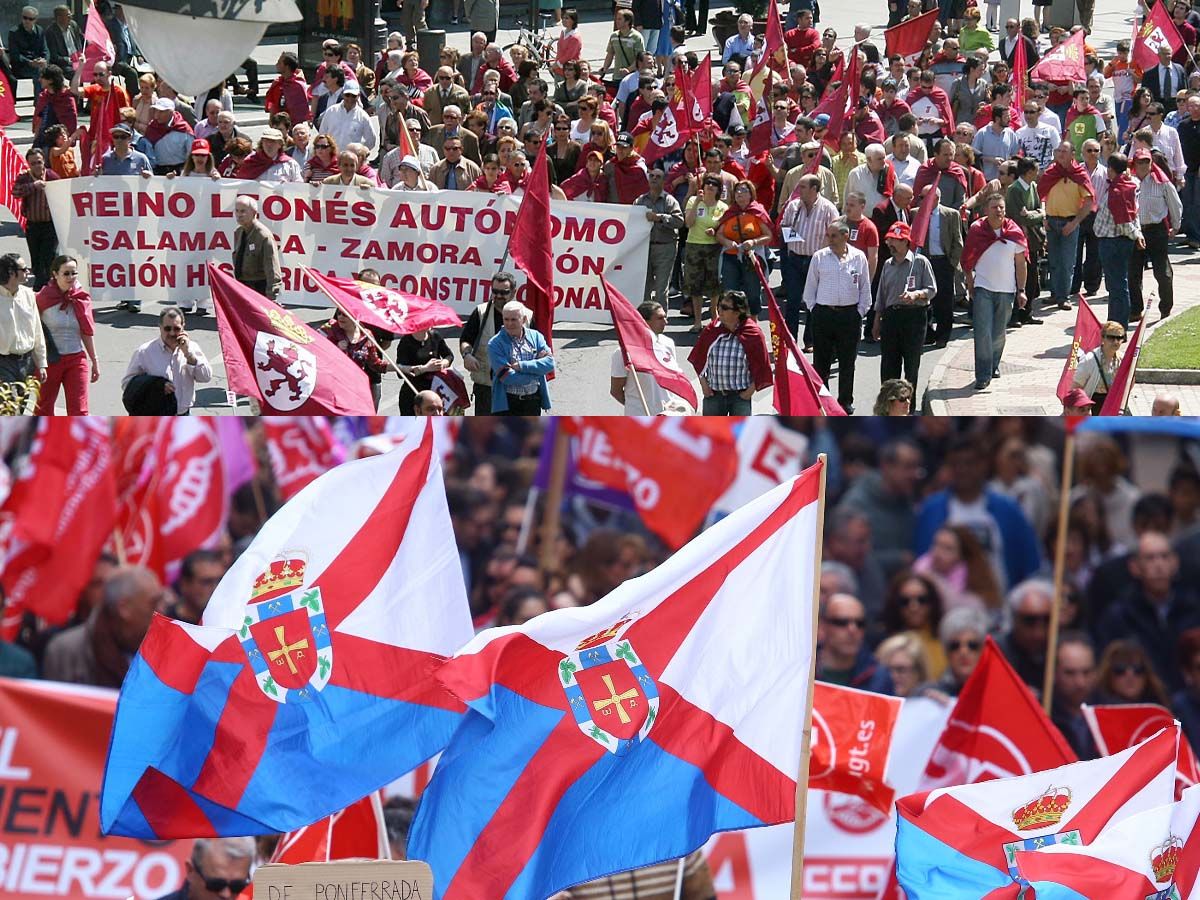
345 880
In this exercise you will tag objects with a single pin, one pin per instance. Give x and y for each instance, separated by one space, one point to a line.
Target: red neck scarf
1073 113
78 299
755 209
1122 199
629 178
1056 173
938 98
980 237
254 165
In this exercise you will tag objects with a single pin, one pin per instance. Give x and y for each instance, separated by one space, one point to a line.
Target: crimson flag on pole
1158 30
281 362
920 223
1020 75
379 307
1122 382
301 449
97 44
1063 64
760 127
909 38
637 346
12 164
530 246
1086 339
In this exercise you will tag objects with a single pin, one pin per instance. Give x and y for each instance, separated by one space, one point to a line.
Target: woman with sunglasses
745 231
962 634
323 161
600 140
1096 371
581 128
66 313
572 88
914 604
1127 676
562 153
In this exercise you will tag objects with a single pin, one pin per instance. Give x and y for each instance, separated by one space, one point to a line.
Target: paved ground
583 351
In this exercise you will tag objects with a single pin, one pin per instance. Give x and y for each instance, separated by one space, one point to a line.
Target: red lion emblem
282 363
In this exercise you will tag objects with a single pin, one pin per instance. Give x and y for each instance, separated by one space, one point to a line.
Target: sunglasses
1114 337
839 622
922 599
1029 620
1129 669
217 885
562 127
973 646
322 147
501 292
445 78
174 329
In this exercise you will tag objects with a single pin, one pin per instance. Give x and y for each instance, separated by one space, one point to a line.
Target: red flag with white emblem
301 448
852 739
380 307
760 128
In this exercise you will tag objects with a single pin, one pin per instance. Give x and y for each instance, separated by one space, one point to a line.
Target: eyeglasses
217 885
173 329
445 78
322 147
1129 669
839 622
449 147
562 127
22 268
1032 620
973 646
1114 337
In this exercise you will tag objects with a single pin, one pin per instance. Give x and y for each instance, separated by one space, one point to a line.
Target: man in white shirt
1035 138
22 341
347 122
865 179
174 357
838 295
625 391
1160 213
995 280
1166 139
903 163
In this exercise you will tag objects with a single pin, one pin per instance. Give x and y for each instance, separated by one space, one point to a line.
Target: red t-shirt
863 234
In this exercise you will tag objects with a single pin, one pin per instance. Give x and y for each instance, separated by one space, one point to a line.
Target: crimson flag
996 730
390 310
637 346
1158 30
1118 391
839 104
531 247
301 449
1119 727
701 90
1063 64
799 390
851 740
356 832
909 38
1019 75
774 55
12 164
449 385
642 456
920 223
761 127
8 105
61 512
97 44
287 366
668 135
1087 338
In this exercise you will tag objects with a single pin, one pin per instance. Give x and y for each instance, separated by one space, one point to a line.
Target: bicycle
538 44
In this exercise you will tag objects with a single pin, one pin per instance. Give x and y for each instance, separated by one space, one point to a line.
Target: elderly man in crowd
666 218
173 363
255 256
218 868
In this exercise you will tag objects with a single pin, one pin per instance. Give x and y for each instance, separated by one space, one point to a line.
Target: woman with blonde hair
904 657
323 161
144 100
1098 368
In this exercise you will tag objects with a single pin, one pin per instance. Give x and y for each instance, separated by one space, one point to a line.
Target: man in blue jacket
998 522
520 361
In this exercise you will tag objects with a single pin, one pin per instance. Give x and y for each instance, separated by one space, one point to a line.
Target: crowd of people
938 534
1042 190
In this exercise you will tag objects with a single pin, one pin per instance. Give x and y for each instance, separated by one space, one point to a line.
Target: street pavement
583 351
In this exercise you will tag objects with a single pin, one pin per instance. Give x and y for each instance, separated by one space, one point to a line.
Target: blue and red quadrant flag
309 682
604 738
962 841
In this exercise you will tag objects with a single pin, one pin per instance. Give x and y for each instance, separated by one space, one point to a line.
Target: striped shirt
1156 201
838 281
33 196
652 883
808 225
726 368
1105 227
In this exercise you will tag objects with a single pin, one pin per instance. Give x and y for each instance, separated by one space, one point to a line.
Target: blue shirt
738 46
528 371
988 143
134 164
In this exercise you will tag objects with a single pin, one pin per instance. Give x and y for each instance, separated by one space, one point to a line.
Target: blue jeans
1191 206
739 275
1060 254
990 312
1115 253
725 403
795 274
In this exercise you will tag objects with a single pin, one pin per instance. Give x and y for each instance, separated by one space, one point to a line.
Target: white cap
411 162
163 104
351 88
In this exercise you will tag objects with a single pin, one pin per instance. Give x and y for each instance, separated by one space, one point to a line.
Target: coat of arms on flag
1043 811
285 635
612 696
285 371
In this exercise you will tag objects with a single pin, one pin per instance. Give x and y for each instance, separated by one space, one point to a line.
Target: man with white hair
1024 643
470 63
218 869
255 257
347 122
873 179
27 48
443 94
207 126
739 47
520 360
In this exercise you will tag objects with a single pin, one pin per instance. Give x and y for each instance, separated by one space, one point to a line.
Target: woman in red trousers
66 311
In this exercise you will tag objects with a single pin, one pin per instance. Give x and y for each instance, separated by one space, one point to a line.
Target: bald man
1165 405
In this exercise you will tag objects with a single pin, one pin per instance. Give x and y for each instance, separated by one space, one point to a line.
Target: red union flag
301 448
638 456
356 832
380 307
1086 339
278 360
666 137
1117 728
61 511
1063 64
851 740
909 38
1158 30
997 730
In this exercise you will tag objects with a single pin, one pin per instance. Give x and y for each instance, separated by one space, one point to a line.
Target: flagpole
554 498
118 545
806 734
641 393
370 336
679 879
1060 560
1132 378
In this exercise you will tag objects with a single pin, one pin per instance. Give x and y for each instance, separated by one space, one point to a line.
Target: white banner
848 845
150 239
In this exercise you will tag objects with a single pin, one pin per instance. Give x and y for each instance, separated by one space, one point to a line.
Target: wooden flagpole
554 497
797 892
641 393
118 544
1060 558
679 878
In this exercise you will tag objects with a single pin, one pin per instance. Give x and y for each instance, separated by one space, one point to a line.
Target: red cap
1076 399
901 231
1141 153
200 146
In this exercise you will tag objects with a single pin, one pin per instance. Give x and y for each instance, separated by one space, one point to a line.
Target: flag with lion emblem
309 682
275 358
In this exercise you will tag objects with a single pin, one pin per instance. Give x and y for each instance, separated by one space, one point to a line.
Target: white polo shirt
995 270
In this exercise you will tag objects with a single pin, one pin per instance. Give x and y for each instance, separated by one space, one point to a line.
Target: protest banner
326 880
151 238
53 738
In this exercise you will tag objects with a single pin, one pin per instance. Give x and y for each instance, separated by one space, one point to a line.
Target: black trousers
523 405
695 15
483 400
901 336
835 332
1033 287
941 313
1156 251
43 245
1087 271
